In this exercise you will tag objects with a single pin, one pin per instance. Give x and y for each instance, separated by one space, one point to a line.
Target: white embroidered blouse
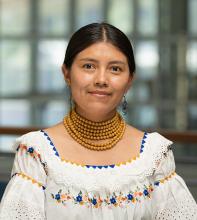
45 186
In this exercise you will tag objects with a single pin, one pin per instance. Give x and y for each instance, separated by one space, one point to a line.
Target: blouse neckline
143 141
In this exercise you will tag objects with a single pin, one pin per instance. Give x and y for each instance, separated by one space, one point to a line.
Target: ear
66 74
130 80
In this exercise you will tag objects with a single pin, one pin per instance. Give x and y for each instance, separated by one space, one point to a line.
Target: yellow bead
83 131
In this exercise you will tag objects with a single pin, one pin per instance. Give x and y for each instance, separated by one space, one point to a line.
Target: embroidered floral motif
24 176
114 200
34 154
29 150
110 201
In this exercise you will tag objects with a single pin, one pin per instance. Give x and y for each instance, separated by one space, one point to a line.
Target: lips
101 93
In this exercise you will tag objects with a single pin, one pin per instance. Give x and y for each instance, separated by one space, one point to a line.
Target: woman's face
98 78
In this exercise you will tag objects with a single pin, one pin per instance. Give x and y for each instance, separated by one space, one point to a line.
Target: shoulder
57 131
158 141
157 152
156 149
134 132
59 137
154 137
155 142
133 129
33 138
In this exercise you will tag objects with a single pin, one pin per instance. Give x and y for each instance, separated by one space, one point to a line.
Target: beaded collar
95 166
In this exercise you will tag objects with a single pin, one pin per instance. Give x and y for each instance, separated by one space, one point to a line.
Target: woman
93 165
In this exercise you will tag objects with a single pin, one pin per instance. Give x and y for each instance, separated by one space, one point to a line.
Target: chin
99 109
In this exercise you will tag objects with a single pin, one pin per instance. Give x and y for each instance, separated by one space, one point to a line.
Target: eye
116 69
88 66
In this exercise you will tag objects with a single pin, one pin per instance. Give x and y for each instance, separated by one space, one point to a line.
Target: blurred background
33 40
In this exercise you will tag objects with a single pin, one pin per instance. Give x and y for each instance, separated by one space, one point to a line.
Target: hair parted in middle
95 33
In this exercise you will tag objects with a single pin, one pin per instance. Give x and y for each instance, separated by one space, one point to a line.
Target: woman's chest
97 201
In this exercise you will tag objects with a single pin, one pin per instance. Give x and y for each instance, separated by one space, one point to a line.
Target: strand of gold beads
101 131
84 131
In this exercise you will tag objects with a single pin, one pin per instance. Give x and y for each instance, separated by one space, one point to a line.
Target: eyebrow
96 61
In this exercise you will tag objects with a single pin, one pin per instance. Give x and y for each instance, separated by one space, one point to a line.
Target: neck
88 133
95 116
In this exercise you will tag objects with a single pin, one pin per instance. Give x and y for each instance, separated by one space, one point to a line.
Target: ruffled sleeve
171 197
24 195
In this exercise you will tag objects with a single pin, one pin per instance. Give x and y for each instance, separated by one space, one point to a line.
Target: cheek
79 85
80 79
120 84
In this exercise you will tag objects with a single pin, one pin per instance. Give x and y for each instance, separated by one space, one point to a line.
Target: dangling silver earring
124 105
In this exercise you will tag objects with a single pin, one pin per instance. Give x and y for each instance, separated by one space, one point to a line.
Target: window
33 40
15 67
125 13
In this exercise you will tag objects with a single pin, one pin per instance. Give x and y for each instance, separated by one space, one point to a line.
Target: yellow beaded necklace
85 131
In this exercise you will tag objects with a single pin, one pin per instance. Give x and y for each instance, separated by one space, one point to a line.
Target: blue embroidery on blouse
116 199
146 192
94 202
94 166
113 165
30 150
156 183
79 198
57 196
130 197
51 143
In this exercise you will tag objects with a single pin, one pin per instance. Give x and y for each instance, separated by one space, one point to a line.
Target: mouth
100 93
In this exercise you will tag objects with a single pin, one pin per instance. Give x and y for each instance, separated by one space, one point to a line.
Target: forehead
102 50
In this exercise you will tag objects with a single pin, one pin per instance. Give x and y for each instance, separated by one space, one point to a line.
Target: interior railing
176 136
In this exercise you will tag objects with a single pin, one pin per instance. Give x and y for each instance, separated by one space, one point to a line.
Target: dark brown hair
99 32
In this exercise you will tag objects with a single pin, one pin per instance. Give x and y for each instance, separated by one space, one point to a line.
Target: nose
100 79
